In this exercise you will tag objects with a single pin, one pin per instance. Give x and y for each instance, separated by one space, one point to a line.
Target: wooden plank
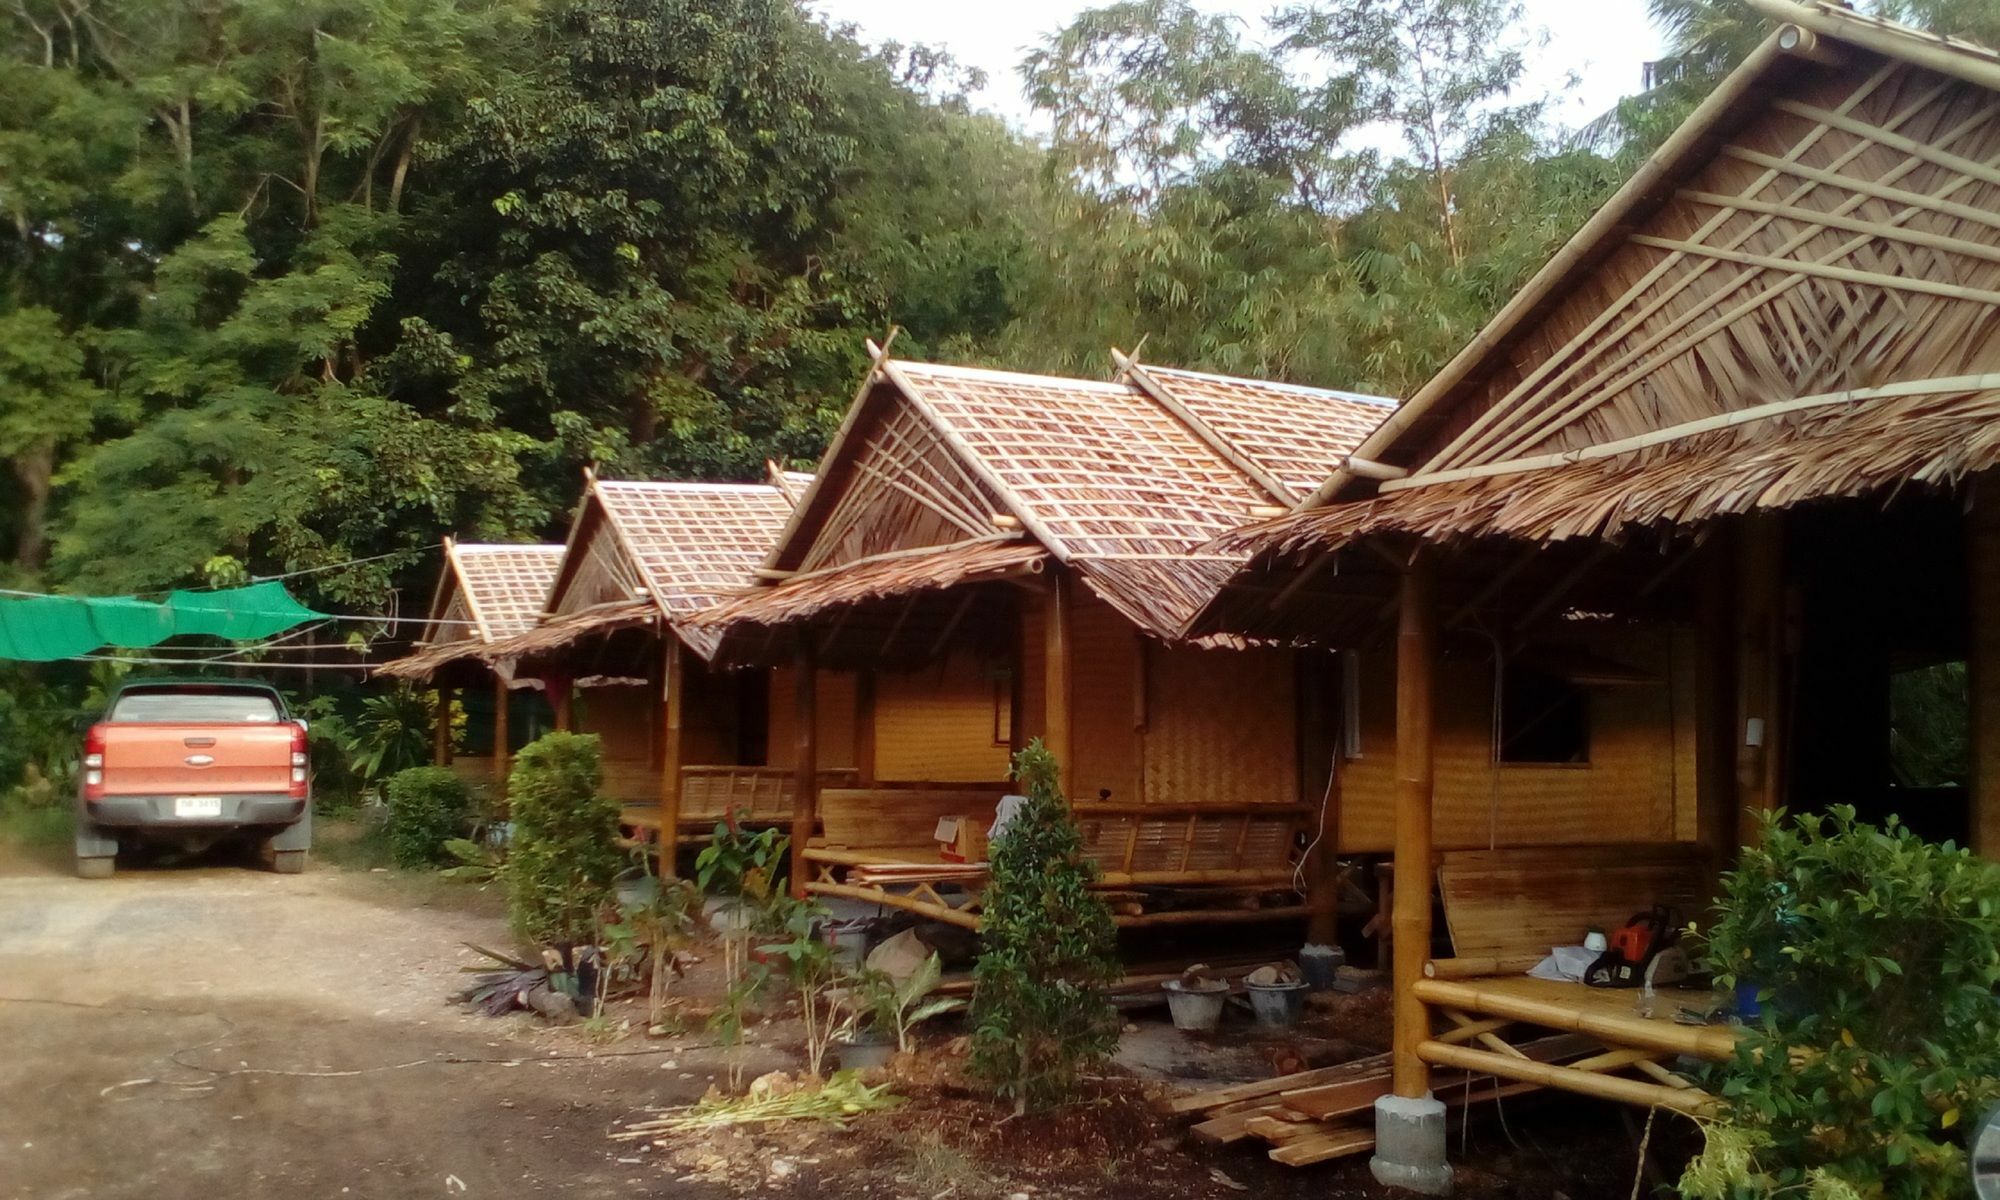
1337 1142
1506 908
1234 1093
1230 1128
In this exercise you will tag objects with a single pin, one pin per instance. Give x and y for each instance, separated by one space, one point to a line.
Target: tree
1046 948
46 405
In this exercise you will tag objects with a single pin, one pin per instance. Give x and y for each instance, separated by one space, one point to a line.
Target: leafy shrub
1039 1018
1875 956
742 866
389 732
563 857
428 807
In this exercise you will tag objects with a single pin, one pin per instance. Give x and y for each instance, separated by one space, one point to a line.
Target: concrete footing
1409 1145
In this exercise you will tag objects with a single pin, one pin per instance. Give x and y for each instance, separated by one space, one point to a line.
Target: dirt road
217 1031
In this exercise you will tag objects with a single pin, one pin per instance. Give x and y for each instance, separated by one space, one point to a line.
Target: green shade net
47 628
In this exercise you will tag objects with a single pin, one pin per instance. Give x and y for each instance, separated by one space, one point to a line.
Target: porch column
1058 681
500 737
561 693
864 728
805 762
1409 1123
441 729
1759 669
1715 733
672 679
1982 568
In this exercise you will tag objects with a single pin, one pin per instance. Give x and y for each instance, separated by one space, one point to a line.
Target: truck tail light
300 763
93 764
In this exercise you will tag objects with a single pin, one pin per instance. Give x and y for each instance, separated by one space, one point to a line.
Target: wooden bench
879 845
1505 910
709 794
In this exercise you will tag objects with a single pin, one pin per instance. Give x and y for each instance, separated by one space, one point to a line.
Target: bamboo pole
805 761
1058 682
1760 574
1416 667
501 737
1604 1087
1715 803
1982 563
441 729
1710 1042
1974 64
673 682
1479 967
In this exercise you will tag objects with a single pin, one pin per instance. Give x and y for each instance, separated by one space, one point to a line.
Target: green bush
1875 956
563 857
428 806
1047 948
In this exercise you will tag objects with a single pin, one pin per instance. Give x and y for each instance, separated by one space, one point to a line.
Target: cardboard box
961 839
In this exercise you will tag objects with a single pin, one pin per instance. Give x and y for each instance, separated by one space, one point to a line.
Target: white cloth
1009 806
1565 963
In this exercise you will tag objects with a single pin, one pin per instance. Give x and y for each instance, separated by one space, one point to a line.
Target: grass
357 841
935 1167
37 827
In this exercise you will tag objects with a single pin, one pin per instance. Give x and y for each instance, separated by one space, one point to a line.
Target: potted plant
740 873
883 1012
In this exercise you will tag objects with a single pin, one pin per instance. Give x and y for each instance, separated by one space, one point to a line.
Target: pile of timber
1327 1113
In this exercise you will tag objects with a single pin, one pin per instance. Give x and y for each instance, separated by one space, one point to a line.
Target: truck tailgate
165 760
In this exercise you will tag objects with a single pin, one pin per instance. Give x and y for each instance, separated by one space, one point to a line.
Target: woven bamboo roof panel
1297 434
504 585
1114 483
694 542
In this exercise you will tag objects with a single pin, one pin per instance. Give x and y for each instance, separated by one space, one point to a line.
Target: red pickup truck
191 763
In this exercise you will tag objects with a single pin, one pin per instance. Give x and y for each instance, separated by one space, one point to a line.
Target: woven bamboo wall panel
834 703
623 718
1221 727
936 725
1639 779
1189 843
457 623
1105 666
601 572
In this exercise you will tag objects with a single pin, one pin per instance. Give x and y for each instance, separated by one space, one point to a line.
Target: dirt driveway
217 1031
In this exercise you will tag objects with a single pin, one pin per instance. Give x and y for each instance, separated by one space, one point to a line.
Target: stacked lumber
1327 1113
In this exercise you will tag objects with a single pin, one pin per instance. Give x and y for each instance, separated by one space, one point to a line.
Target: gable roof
1822 226
1107 476
693 542
503 587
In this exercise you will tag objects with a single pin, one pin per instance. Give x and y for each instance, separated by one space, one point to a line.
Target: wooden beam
805 761
1416 669
441 729
673 699
1982 568
1058 682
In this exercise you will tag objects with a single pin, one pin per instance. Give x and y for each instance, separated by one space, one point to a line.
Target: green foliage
390 732
1046 949
563 858
1875 955
1930 727
428 807
651 926
878 1001
737 865
806 960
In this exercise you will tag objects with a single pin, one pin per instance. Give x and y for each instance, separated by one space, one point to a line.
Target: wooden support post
673 679
1715 702
441 729
1058 681
1982 568
1416 668
805 760
501 749
864 728
561 695
1759 668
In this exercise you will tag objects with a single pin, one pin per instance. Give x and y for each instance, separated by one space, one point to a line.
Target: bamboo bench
1505 910
710 793
878 845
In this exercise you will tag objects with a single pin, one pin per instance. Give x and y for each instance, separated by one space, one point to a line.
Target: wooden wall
835 710
624 717
1639 785
936 724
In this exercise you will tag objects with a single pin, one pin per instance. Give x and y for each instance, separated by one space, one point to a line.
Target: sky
1604 43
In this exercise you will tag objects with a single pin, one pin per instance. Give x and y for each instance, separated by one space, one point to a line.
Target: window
217 706
1544 718
1930 723
1003 708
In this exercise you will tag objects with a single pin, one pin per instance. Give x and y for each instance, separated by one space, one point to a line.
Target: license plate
197 806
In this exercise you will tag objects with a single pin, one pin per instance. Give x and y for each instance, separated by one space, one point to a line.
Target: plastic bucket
1277 1005
1321 965
1196 1009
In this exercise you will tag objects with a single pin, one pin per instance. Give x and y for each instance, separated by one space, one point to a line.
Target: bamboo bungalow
486 593
1724 465
1002 556
683 746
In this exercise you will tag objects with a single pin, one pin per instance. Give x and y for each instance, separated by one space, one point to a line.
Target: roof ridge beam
1133 373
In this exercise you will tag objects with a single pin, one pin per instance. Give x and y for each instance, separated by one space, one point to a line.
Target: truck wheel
96 867
288 862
